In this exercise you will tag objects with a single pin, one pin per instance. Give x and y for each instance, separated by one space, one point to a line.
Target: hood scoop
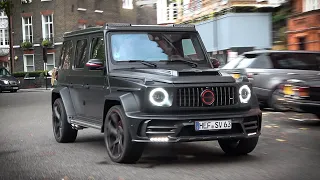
198 72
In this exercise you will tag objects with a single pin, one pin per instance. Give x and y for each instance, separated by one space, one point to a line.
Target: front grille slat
191 96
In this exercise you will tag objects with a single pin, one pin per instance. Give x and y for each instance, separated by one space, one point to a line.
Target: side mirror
95 64
215 62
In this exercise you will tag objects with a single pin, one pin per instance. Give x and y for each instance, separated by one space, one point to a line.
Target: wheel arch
65 96
127 100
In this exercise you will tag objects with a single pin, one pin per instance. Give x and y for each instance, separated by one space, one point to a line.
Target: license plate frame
15 88
213 125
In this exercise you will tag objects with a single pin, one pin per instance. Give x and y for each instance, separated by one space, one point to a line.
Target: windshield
156 47
4 72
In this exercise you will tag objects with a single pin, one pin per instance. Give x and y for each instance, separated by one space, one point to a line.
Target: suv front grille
190 97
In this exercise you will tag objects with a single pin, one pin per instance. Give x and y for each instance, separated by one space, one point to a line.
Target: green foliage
30 74
26 44
6 6
46 43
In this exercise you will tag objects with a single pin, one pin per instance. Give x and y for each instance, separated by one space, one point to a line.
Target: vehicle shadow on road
188 153
170 154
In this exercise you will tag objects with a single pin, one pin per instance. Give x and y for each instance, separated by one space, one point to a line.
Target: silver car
266 69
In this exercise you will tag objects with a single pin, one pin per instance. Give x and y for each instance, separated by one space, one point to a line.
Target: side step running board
85 124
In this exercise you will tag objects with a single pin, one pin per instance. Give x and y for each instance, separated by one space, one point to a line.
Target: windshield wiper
147 63
194 64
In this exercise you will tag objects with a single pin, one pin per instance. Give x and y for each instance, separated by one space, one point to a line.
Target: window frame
44 24
25 63
127 4
45 65
310 5
24 35
4 31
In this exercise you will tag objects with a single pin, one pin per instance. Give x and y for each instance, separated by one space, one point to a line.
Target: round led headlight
244 94
159 97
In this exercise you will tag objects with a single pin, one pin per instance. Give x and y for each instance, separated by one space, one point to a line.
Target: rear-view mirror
95 64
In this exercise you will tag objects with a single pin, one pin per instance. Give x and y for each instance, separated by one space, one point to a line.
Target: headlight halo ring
241 89
163 91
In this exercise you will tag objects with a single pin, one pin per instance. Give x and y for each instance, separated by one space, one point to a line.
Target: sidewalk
35 90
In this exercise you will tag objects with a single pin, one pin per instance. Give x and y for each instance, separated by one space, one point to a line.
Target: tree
7 6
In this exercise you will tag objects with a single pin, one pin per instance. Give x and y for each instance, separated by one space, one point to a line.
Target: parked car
150 84
7 81
266 69
300 95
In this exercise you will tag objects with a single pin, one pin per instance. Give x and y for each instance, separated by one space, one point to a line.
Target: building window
310 5
27 30
50 61
4 35
302 42
28 60
127 4
47 26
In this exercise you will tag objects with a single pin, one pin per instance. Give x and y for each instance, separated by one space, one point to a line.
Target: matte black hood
190 75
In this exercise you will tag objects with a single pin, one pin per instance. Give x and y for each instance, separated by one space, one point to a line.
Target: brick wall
66 17
304 25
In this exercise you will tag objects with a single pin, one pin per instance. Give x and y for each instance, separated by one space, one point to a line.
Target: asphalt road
289 148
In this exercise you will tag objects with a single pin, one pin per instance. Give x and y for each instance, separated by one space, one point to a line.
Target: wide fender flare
65 95
127 100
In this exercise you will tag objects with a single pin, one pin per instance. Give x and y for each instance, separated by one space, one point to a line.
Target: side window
299 61
97 49
262 62
66 52
81 56
188 47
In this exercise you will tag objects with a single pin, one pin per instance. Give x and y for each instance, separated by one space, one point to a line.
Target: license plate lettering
213 125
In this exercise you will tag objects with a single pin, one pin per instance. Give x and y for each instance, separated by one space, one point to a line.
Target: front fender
128 100
64 94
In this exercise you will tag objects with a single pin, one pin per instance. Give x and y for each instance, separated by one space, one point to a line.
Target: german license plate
14 87
213 125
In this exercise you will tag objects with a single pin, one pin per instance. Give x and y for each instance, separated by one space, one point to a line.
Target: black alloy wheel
62 130
119 144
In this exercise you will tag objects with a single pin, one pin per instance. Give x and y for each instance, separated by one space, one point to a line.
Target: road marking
280 140
276 126
303 128
295 119
267 126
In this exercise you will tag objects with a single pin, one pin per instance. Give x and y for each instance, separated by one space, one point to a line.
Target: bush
29 74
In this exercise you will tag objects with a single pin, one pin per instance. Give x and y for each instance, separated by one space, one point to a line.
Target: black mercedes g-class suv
150 84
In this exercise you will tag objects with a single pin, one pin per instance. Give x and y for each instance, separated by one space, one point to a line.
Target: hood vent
199 73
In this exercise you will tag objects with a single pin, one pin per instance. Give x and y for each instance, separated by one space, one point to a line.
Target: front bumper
181 127
9 87
301 105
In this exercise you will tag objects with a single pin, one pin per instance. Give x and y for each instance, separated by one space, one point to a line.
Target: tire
117 138
62 130
274 103
238 147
